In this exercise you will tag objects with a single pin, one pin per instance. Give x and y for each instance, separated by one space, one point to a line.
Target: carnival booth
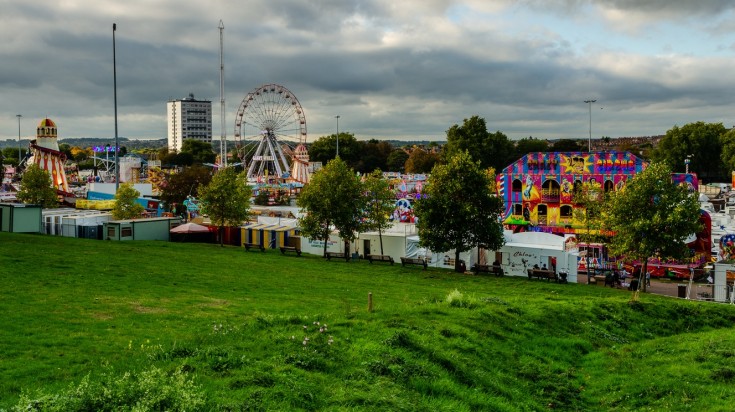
270 236
524 250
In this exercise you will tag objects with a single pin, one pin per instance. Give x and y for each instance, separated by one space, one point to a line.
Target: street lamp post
19 155
589 146
337 117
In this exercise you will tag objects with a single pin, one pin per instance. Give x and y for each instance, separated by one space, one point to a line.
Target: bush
149 390
457 299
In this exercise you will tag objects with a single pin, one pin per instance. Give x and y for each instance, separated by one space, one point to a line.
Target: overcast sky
395 69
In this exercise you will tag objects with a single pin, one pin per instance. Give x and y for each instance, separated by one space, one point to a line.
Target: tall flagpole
223 137
114 82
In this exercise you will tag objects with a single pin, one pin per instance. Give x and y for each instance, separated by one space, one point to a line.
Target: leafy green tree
459 211
589 199
36 188
179 186
381 201
728 150
529 145
226 199
374 155
201 152
261 199
11 155
652 216
324 149
66 149
567 145
333 197
126 205
397 160
490 149
700 142
420 161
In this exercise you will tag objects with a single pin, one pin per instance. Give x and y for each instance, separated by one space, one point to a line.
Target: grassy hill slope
89 325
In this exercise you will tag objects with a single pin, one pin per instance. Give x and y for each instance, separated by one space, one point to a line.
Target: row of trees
709 147
459 209
494 150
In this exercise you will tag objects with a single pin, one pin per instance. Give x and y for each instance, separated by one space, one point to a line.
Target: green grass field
99 325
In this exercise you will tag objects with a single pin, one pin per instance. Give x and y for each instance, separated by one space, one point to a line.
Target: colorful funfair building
538 188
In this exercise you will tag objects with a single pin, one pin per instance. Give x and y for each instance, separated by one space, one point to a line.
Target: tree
373 155
201 152
728 150
458 210
397 160
529 145
126 205
333 197
37 188
652 216
65 148
380 203
79 155
567 145
420 161
324 149
589 199
226 199
490 149
11 155
700 142
178 186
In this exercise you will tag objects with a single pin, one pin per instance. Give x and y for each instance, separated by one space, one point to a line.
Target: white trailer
524 250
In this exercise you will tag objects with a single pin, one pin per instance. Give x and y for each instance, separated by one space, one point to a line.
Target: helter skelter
46 154
270 135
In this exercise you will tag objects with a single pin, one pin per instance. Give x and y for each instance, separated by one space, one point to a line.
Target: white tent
524 250
394 244
438 259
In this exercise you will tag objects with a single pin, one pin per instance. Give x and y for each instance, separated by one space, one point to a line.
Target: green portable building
156 228
20 218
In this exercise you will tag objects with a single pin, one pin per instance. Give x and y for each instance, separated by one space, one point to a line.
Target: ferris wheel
269 124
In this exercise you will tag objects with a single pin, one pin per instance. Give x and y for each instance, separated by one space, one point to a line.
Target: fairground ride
269 126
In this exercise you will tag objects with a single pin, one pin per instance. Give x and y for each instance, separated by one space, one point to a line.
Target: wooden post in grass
370 302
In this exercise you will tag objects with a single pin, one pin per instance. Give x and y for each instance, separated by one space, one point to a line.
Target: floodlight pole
223 135
114 83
